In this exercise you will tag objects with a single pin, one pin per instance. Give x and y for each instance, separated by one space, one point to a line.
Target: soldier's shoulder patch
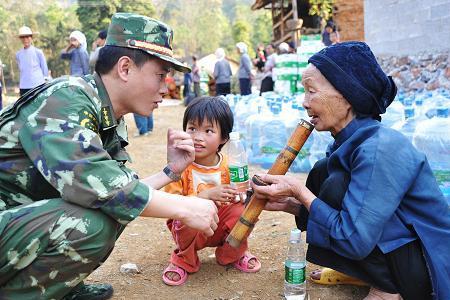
88 120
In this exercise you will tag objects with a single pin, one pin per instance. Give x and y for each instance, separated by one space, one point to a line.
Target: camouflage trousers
49 246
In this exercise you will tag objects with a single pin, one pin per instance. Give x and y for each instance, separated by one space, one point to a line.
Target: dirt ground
147 243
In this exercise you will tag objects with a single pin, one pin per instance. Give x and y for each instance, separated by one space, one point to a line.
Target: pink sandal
242 263
180 271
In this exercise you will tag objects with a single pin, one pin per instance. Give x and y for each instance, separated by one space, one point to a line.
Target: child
209 121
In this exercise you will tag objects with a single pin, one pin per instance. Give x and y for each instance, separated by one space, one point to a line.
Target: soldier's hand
201 215
180 150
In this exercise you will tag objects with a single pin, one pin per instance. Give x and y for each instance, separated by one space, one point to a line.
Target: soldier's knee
102 230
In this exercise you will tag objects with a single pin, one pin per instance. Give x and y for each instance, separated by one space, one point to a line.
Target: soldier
66 193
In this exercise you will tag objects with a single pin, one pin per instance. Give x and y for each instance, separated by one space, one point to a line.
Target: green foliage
50 19
142 7
201 26
55 24
322 8
96 15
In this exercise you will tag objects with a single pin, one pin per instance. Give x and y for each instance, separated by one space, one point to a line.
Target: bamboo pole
284 160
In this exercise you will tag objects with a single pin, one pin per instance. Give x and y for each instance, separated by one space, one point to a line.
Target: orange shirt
197 178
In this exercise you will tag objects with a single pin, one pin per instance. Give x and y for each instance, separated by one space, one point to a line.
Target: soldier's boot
90 292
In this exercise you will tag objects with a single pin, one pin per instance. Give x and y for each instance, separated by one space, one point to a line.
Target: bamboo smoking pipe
281 165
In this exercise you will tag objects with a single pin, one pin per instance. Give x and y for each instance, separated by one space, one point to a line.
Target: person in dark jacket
222 73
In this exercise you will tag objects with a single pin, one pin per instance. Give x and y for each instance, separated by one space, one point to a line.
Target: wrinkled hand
221 193
201 215
279 188
180 150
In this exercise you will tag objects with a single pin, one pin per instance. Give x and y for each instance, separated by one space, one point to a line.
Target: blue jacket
392 199
79 61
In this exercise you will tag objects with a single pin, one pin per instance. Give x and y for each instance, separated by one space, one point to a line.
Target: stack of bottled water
265 123
427 125
432 137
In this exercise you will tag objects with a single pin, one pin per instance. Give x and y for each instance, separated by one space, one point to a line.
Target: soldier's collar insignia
107 118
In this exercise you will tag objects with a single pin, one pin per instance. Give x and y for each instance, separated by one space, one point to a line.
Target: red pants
189 240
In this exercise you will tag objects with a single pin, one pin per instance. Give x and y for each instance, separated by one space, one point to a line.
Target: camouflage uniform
65 192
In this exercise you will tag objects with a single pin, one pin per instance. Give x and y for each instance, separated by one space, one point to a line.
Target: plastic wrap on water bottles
436 100
254 126
302 161
273 138
394 113
432 138
243 110
321 140
408 125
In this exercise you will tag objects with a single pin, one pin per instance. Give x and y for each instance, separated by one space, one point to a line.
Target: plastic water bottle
432 138
408 125
237 163
273 138
394 113
295 268
321 140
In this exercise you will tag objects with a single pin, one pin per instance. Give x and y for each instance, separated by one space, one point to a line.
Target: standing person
267 82
245 68
96 46
66 192
144 124
77 54
261 58
372 208
187 81
209 121
31 62
196 76
222 73
326 34
334 37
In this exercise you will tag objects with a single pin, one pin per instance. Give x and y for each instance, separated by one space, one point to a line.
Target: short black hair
102 34
211 109
109 56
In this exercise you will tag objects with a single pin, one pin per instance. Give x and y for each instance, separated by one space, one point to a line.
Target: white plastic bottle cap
234 136
295 234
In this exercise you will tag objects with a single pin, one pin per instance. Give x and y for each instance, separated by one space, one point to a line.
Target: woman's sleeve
85 62
216 70
43 63
380 177
61 138
66 55
247 65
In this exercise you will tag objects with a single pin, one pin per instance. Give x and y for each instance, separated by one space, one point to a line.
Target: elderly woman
244 71
372 208
222 73
77 54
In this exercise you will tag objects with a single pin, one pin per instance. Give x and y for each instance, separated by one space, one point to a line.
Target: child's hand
221 193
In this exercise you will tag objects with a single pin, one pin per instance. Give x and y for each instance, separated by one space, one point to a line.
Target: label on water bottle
238 174
294 273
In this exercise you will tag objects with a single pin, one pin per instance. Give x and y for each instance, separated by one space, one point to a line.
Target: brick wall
407 27
349 17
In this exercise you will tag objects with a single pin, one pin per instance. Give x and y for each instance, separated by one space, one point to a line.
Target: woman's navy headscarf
353 70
